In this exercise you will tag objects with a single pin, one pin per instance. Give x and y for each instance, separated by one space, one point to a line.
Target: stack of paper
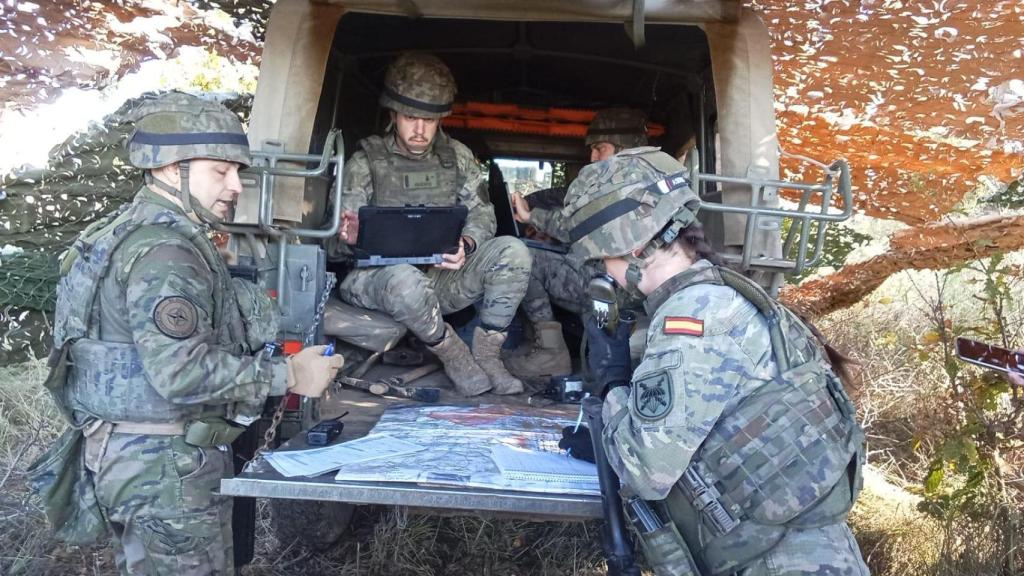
316 461
552 468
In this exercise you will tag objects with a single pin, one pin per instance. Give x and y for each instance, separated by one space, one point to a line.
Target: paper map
459 441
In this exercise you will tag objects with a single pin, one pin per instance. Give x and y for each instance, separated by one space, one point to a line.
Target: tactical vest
787 456
400 181
106 380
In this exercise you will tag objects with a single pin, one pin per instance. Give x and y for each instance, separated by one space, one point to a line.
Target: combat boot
487 352
549 357
459 364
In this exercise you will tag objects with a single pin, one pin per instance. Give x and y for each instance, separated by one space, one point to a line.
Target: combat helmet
621 127
420 85
631 202
179 127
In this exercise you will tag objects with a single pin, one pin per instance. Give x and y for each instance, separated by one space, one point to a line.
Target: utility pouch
211 432
66 492
667 553
57 377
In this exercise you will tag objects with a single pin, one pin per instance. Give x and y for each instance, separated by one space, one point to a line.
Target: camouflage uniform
684 399
158 338
734 428
496 273
563 278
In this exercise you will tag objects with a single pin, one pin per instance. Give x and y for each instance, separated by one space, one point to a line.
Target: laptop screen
409 231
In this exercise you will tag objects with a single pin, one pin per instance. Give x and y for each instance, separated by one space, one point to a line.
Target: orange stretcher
558 122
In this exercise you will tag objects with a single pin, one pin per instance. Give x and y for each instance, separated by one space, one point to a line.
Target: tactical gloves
578 443
310 372
608 360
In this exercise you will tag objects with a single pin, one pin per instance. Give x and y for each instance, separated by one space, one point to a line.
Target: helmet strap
634 273
157 183
183 195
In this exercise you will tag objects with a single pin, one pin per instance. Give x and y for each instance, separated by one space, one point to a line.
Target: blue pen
330 349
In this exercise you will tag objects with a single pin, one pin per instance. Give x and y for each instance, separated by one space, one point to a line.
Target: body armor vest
401 181
788 455
106 380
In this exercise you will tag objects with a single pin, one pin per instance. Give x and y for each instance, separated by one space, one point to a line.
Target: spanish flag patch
684 325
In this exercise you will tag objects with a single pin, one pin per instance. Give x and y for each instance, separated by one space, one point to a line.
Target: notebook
517 464
408 234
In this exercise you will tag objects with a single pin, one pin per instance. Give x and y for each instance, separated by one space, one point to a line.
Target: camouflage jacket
181 315
690 374
556 222
480 225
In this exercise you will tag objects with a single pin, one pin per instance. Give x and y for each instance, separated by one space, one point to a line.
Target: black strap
187 138
418 104
613 130
626 205
602 217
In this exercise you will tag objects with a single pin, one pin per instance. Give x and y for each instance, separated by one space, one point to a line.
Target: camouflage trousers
158 495
560 279
497 273
828 550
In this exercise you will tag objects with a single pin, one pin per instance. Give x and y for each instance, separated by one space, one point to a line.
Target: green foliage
840 240
965 477
558 176
1009 196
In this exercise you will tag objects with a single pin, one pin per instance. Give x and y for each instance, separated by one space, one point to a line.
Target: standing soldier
735 426
415 162
162 349
559 277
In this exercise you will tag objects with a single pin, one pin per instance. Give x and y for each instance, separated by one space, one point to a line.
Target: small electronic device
325 432
603 302
567 389
987 356
417 235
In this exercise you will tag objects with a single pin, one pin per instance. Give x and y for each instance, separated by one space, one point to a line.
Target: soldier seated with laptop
415 166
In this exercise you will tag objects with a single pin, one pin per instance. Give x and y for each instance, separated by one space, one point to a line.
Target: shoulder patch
176 317
683 325
652 395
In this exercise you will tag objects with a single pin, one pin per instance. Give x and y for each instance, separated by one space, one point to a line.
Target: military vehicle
528 73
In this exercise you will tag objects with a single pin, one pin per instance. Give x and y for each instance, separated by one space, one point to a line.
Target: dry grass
895 538
393 541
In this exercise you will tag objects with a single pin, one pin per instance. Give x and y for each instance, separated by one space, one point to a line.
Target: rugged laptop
503 214
408 234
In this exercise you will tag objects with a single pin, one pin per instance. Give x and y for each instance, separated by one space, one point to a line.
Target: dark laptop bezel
377 225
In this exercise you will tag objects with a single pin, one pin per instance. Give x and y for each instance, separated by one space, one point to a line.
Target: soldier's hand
348 231
454 261
577 443
520 209
310 372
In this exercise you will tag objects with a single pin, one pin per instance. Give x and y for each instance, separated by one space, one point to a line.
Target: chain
271 433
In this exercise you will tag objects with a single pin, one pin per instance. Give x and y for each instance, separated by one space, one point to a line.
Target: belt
157 429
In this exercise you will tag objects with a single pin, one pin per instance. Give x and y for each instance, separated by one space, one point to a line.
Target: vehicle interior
577 66
534 66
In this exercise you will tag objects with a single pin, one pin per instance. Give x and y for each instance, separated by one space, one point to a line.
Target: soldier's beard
416 145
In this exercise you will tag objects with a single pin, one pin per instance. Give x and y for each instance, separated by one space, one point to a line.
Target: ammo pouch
66 491
666 552
210 432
